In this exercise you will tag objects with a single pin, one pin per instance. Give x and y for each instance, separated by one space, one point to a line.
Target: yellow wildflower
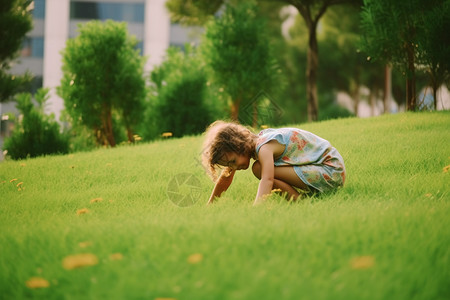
79 260
116 256
96 200
195 258
82 211
362 262
37 282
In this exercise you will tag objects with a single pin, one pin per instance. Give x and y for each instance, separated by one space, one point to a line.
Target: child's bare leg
285 179
286 188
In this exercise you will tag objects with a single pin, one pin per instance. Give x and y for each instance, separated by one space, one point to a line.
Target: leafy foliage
435 42
192 12
178 96
408 33
37 134
103 77
15 22
238 52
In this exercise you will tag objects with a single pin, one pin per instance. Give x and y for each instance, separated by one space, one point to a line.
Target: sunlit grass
102 225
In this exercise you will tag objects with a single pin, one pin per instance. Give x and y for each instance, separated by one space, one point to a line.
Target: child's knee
256 168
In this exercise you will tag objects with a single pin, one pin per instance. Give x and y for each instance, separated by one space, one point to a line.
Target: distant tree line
245 68
379 35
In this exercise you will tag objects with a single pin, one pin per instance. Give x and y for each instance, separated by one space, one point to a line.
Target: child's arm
265 158
222 185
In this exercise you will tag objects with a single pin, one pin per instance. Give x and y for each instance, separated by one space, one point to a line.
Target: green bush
103 84
80 137
178 97
36 134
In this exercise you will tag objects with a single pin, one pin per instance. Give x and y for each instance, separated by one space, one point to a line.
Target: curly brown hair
224 137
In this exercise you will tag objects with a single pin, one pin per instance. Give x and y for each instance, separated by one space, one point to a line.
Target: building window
128 12
39 9
33 47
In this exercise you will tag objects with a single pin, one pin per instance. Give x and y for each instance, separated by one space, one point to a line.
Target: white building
55 21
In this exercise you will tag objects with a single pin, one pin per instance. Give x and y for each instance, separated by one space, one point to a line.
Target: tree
192 12
435 42
310 10
238 52
103 76
15 22
343 66
395 32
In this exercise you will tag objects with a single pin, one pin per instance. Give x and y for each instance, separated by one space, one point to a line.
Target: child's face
235 161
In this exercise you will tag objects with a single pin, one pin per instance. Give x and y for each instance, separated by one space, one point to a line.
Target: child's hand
261 200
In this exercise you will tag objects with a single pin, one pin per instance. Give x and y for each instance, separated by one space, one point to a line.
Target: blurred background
261 63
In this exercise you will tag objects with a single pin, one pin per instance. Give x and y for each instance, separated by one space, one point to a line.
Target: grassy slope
393 212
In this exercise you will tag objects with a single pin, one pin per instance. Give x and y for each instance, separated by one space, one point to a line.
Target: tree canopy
178 93
311 12
15 22
406 34
103 77
238 52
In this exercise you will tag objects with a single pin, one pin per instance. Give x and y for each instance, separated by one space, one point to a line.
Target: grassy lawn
385 235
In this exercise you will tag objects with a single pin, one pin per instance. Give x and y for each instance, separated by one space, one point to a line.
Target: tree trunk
387 89
355 92
312 63
130 135
355 96
372 101
305 9
435 97
107 125
410 81
435 87
235 110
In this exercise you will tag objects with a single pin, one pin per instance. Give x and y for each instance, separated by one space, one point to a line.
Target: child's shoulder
279 131
281 135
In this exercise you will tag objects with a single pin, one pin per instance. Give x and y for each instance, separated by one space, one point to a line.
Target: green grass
392 216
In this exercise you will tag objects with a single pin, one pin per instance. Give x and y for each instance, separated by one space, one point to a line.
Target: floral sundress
318 164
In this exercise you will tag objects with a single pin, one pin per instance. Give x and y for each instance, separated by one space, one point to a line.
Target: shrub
178 96
36 134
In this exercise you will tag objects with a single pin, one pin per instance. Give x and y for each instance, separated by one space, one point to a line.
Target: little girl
292 160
